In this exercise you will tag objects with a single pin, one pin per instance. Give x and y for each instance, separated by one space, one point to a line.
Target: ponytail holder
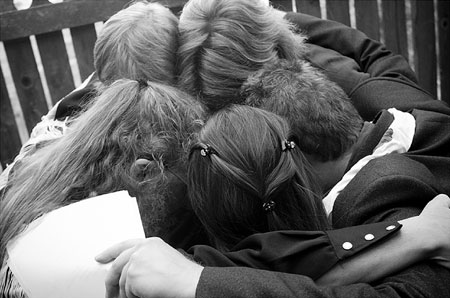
287 145
142 83
269 206
206 150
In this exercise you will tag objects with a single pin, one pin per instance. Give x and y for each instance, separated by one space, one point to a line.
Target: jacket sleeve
74 102
371 55
373 77
370 203
423 280
310 253
392 187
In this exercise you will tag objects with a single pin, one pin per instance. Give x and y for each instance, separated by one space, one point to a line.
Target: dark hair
238 165
222 42
318 110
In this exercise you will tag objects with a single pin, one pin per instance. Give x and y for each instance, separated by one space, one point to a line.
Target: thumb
441 201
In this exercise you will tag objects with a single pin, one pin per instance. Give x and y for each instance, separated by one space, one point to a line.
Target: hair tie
269 206
206 150
287 145
142 83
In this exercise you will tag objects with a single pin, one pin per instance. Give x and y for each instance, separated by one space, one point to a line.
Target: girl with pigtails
255 193
246 176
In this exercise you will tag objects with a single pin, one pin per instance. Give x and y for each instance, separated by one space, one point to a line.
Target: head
134 136
243 179
223 41
138 42
321 115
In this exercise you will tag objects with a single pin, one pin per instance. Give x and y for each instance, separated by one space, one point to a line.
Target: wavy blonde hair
138 42
223 41
128 121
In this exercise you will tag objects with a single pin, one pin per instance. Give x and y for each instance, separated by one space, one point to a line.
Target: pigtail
245 178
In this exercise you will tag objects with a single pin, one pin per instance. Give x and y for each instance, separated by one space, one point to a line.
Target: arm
142 269
372 94
372 76
371 55
310 253
365 267
73 102
395 187
248 283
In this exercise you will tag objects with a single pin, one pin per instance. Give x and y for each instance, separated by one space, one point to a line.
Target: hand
436 215
149 268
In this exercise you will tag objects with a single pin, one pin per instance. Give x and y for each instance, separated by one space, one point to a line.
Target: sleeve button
369 237
390 228
347 245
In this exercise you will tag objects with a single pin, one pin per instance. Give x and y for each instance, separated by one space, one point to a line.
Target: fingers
124 284
112 252
122 281
114 275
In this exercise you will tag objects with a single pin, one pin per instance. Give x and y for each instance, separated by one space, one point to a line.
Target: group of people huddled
272 154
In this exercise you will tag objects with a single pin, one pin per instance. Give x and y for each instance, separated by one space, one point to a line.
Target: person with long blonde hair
138 42
134 137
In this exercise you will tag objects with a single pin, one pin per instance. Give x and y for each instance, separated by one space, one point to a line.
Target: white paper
54 257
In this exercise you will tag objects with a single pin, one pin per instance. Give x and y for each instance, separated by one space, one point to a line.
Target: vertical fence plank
338 10
443 22
56 64
10 142
367 19
311 7
9 134
424 43
84 38
394 26
7 5
285 5
26 79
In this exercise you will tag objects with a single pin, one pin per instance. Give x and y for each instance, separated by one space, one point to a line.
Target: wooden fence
417 29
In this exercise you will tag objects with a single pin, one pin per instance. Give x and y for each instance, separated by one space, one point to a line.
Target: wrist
420 233
192 279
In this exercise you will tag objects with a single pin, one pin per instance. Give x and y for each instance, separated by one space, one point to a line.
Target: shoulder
391 187
390 169
383 92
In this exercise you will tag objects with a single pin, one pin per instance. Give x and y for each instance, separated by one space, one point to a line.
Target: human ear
139 167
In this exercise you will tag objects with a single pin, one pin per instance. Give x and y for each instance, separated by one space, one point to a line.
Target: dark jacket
389 188
392 187
373 77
